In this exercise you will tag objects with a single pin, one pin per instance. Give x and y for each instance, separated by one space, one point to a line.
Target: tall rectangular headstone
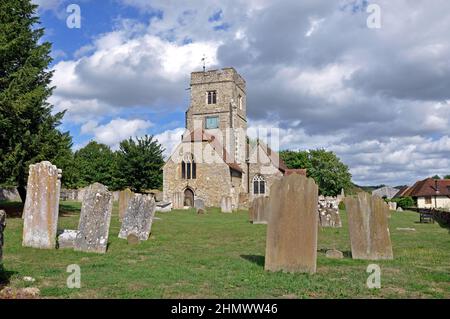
139 217
2 229
124 199
368 226
177 200
291 244
259 210
93 228
226 204
42 206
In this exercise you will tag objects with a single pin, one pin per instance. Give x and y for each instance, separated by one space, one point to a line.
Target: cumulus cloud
116 130
379 98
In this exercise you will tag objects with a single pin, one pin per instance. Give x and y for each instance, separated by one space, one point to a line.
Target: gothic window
259 185
212 123
212 97
188 167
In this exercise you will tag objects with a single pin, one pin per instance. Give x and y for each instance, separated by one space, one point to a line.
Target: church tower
218 106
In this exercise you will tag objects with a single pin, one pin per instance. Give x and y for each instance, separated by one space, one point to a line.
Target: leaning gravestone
226 204
259 210
368 226
94 220
124 198
291 244
42 206
2 228
139 217
177 200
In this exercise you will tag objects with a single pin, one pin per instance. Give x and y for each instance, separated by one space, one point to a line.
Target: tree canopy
28 128
330 174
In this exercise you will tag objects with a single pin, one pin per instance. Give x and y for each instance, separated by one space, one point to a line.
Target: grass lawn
222 256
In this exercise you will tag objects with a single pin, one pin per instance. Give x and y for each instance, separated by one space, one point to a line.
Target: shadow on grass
258 260
66 210
12 209
5 276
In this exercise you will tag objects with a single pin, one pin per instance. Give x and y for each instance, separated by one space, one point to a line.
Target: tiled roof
200 135
429 187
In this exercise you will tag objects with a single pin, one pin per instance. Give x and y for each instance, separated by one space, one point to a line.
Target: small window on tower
212 97
212 123
240 101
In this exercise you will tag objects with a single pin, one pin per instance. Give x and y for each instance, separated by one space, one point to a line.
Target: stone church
215 157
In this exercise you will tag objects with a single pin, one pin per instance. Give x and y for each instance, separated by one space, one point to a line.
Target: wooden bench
426 217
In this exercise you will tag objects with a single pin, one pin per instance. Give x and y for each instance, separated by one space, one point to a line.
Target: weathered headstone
226 204
2 229
94 220
124 199
199 204
177 200
66 239
392 206
139 217
399 209
163 207
259 210
328 209
291 244
368 226
42 206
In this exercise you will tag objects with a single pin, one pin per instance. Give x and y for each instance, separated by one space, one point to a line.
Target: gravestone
95 218
259 210
199 204
66 239
2 229
226 204
163 207
334 254
124 198
392 206
328 209
178 200
368 226
291 244
139 217
42 206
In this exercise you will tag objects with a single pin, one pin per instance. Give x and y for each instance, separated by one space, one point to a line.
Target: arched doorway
188 197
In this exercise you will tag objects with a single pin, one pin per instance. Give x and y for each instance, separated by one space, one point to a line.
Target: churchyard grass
222 256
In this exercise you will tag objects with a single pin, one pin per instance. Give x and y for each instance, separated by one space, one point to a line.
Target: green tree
447 177
28 129
139 164
436 177
94 163
330 174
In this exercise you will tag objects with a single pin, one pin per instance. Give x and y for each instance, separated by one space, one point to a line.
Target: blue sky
378 97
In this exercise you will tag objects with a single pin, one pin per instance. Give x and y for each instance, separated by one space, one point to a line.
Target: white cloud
116 130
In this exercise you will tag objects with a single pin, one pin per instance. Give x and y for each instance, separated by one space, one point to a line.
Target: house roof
274 157
200 135
429 187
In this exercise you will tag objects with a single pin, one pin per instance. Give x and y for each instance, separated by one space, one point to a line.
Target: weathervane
204 63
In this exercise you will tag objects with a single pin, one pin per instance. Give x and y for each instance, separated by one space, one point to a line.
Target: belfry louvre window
259 185
188 167
212 123
212 97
